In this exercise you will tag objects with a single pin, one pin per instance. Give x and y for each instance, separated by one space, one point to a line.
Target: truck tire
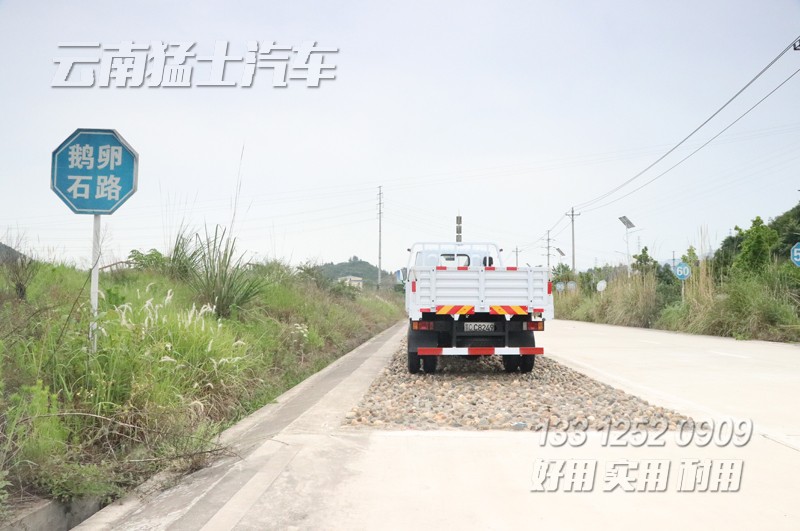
523 339
429 364
526 363
417 339
413 362
511 363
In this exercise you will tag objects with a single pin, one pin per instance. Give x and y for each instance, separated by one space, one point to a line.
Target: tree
562 273
724 256
757 244
788 227
643 262
691 257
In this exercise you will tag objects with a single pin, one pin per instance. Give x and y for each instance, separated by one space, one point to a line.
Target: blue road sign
796 254
683 271
94 171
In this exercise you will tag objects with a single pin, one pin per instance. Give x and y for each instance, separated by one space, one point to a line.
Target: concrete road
701 376
297 468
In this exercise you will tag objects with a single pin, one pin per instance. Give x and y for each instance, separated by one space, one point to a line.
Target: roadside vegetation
188 342
747 289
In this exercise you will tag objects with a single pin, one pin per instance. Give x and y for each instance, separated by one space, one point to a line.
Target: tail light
534 326
422 325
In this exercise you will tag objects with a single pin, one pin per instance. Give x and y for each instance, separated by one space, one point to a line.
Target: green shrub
221 278
744 305
152 260
65 480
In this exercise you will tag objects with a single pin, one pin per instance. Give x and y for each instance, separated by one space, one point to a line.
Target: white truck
462 301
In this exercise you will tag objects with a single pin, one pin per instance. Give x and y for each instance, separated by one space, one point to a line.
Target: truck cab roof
454 254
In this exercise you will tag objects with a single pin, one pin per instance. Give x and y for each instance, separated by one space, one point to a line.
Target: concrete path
299 469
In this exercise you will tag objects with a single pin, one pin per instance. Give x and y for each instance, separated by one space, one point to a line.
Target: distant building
356 282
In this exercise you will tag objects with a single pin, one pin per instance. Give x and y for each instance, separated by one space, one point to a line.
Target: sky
506 113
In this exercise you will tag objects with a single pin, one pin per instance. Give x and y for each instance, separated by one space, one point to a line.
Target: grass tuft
220 277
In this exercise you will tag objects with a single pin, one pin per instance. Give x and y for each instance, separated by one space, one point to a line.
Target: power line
793 44
744 173
676 146
759 102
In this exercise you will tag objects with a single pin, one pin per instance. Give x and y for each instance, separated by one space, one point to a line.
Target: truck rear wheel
429 364
511 362
413 362
522 339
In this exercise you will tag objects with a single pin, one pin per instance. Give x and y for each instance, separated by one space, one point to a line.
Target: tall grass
220 277
169 372
745 305
183 257
627 301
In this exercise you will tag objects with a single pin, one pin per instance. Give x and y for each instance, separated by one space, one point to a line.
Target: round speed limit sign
683 271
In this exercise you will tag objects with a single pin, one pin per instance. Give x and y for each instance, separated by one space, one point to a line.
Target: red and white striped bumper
480 351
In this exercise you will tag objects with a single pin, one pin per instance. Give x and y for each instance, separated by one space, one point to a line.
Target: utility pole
516 260
673 260
628 250
458 228
380 233
548 251
571 214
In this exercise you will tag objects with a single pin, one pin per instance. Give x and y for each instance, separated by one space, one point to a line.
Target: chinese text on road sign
94 171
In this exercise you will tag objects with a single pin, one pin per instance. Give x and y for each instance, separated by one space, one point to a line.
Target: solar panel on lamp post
628 226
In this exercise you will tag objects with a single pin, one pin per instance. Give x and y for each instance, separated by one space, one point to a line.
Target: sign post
94 171
683 271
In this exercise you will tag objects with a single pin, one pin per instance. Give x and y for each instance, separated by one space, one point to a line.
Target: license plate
478 327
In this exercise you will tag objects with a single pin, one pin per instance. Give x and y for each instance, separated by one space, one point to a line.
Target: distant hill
357 268
7 253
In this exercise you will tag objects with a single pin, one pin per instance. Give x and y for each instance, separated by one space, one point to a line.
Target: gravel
477 394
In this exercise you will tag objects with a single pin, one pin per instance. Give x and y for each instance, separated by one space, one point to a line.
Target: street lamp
560 254
628 226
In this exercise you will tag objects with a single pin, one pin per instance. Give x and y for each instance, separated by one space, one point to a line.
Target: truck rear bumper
480 351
